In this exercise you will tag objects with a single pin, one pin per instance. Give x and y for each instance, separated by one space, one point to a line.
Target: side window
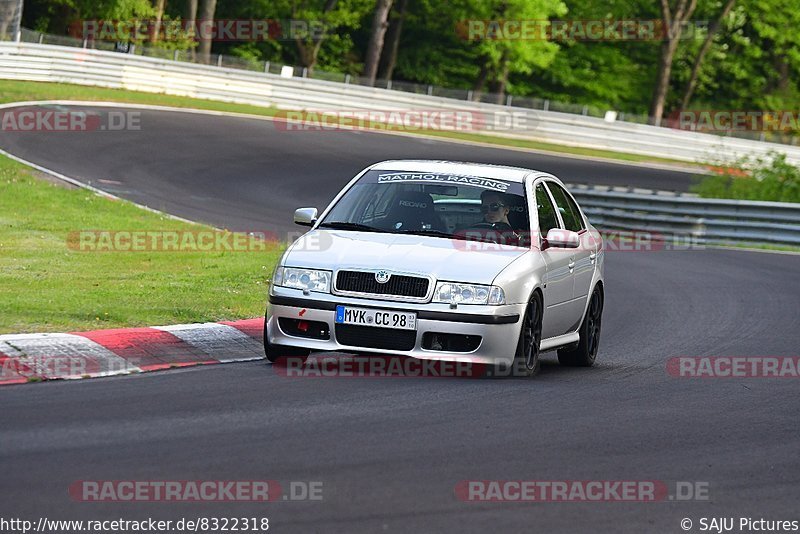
544 207
570 213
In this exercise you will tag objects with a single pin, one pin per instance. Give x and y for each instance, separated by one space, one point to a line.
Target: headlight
450 292
310 279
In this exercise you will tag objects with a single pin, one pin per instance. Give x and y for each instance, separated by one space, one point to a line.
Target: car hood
444 259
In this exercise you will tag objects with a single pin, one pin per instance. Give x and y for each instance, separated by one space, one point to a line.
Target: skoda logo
382 277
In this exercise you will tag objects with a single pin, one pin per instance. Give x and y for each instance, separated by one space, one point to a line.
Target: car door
558 279
583 258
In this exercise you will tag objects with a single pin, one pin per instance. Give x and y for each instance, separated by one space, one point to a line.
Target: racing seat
414 211
518 218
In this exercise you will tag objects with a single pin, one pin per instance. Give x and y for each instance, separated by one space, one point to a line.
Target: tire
280 354
585 353
526 359
526 355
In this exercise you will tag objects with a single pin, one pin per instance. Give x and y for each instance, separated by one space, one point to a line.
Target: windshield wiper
344 225
447 235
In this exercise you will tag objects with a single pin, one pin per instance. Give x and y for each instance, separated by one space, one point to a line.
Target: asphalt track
389 451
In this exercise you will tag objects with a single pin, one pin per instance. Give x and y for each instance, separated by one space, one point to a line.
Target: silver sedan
442 261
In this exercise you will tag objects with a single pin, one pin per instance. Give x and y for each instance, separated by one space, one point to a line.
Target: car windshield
434 204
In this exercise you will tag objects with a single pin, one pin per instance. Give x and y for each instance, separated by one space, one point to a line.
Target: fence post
266 67
219 60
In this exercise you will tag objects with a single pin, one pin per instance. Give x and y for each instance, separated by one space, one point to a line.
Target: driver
495 225
494 208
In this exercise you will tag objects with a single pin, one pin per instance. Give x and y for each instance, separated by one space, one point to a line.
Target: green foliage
769 178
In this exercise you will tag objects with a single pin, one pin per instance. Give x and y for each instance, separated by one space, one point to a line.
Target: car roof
483 170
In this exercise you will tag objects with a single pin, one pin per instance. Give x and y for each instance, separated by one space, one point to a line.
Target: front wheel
280 354
585 353
526 358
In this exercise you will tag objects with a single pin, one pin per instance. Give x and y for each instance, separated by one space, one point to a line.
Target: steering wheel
499 226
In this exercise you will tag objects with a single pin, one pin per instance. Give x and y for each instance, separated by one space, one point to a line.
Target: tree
392 45
503 55
10 14
190 19
160 5
674 21
330 23
208 9
375 46
713 29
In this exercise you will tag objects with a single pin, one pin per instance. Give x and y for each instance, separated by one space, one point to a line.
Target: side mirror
556 237
305 216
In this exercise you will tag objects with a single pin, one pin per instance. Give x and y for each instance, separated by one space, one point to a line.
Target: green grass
47 285
16 91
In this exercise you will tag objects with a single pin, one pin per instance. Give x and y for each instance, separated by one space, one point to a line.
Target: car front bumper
497 326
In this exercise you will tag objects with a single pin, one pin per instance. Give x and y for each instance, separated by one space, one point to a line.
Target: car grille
398 285
375 338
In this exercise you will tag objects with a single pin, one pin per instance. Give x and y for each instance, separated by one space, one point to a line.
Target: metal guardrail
704 220
51 63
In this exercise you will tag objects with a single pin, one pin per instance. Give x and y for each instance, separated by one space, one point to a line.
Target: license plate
379 318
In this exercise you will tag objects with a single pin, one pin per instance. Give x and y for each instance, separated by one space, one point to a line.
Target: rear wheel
280 354
585 353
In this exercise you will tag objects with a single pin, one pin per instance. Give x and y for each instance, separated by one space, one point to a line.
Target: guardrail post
85 43
266 67
219 60
305 72
41 37
699 230
546 105
585 110
175 55
347 78
388 84
508 100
